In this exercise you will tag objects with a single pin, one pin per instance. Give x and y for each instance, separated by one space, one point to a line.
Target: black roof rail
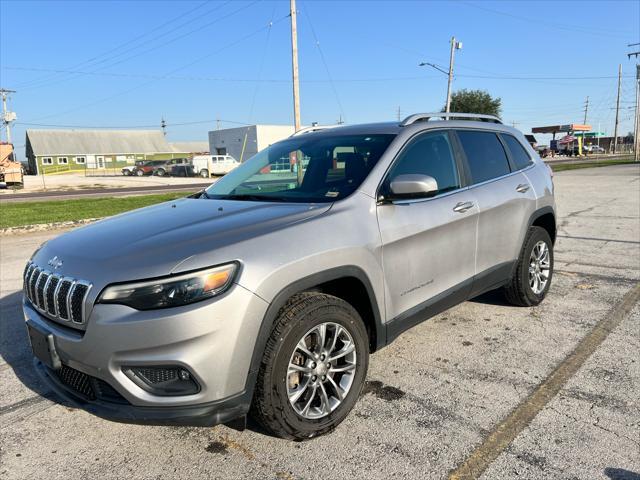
425 117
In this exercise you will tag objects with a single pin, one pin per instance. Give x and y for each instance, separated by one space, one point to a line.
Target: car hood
155 241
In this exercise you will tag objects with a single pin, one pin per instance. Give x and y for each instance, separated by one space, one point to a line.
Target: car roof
395 128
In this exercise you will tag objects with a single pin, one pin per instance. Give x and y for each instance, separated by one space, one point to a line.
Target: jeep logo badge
55 262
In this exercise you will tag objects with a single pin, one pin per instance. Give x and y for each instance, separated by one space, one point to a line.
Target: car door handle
522 188
462 207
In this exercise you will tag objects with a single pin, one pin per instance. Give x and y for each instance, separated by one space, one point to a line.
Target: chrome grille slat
49 294
32 283
59 298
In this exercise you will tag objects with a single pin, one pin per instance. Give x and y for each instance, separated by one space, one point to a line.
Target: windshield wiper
251 197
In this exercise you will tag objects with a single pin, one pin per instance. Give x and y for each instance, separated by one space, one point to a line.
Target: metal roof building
56 151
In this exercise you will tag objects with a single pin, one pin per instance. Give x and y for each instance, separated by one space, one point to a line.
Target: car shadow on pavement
15 348
494 297
620 474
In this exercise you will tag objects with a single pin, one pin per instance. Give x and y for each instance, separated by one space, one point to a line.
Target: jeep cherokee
265 293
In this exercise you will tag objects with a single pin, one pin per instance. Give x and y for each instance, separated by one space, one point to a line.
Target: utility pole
7 117
586 109
294 64
615 129
636 129
454 46
163 125
399 119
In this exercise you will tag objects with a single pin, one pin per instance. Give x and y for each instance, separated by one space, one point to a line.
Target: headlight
172 291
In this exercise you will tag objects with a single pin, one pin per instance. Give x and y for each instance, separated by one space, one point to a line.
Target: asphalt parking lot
432 397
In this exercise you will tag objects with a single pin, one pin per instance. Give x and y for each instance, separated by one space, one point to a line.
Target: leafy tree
475 101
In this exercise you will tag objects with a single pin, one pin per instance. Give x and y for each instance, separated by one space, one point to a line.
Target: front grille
50 298
58 298
77 381
77 301
61 299
86 386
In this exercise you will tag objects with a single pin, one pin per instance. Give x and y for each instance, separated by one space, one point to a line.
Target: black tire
204 173
271 406
139 173
160 172
518 291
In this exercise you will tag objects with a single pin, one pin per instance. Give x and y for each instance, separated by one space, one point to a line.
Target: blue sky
131 63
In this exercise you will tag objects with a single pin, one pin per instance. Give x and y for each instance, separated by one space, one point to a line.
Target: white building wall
269 134
257 137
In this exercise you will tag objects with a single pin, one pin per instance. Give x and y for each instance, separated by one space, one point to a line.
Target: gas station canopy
571 127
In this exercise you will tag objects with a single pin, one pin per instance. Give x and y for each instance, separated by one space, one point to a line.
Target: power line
124 92
129 42
545 23
324 62
119 127
160 45
343 80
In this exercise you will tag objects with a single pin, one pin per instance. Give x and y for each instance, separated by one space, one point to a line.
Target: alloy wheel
539 267
321 370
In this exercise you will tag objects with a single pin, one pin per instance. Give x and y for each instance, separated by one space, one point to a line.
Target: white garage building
244 142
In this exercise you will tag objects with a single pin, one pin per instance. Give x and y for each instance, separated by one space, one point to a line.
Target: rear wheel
313 369
534 271
204 173
160 172
139 173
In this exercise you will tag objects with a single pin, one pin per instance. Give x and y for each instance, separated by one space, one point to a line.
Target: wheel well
353 291
548 222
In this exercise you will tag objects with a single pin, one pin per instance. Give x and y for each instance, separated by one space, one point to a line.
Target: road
102 192
432 398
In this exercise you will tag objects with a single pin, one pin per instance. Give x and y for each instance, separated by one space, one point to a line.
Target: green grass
574 166
16 214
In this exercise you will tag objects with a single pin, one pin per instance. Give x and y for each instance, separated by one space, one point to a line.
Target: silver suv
265 293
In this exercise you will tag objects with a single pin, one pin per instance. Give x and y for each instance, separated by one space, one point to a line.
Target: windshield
308 168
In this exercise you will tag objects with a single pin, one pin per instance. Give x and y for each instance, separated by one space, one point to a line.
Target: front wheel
139 173
534 270
313 369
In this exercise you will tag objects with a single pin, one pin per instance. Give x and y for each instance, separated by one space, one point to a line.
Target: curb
43 227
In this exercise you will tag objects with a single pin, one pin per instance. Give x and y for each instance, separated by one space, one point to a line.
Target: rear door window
519 155
485 155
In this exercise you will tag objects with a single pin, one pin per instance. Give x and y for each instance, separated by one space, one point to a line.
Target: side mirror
414 186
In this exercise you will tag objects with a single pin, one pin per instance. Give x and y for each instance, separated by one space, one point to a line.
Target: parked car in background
177 167
593 149
130 169
147 168
207 165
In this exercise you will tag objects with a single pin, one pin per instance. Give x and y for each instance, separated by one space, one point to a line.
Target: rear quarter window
485 155
519 155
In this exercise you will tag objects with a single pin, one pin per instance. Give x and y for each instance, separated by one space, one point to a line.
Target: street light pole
454 46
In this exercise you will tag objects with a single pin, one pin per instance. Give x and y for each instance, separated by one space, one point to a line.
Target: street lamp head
458 45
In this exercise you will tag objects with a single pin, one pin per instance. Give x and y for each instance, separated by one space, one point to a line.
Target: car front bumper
213 340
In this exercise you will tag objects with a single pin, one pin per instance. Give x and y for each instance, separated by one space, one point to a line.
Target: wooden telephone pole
615 129
294 64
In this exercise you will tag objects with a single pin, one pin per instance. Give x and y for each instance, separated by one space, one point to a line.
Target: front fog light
163 380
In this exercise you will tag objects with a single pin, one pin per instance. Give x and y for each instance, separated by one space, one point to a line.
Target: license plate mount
43 346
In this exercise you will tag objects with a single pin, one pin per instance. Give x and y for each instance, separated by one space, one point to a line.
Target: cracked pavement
431 397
